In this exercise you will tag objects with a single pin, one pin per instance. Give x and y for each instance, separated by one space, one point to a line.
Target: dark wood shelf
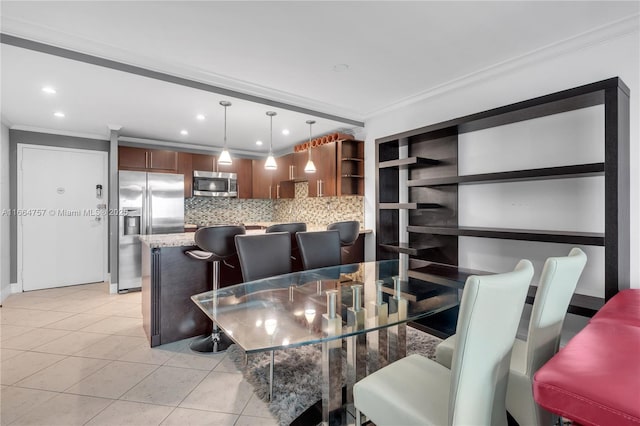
409 206
408 248
353 176
580 304
561 172
417 291
448 275
409 162
352 159
554 103
584 238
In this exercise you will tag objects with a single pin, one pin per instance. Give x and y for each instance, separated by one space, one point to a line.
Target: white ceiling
284 51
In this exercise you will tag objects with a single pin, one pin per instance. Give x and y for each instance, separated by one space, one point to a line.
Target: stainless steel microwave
213 184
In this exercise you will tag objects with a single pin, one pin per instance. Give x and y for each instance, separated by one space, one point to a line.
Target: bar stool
291 228
348 230
216 244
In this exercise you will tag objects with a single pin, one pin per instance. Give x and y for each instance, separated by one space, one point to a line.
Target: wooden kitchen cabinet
261 180
282 185
132 158
151 160
300 159
322 183
243 168
203 162
185 167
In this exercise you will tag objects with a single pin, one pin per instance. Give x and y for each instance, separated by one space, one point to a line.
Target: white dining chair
418 391
557 283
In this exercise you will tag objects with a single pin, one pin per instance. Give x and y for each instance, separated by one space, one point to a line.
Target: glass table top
287 310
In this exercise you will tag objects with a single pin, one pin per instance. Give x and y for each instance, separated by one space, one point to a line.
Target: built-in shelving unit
420 204
350 167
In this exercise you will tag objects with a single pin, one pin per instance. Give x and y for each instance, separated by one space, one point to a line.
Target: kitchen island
170 278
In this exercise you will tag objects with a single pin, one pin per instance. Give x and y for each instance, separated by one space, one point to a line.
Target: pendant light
270 164
225 158
310 167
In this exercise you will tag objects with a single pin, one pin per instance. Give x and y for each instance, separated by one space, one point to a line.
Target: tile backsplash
320 211
210 211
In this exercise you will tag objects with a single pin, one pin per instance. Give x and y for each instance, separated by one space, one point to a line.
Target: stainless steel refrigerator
151 203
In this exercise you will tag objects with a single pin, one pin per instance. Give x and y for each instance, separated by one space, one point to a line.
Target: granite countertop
310 226
185 239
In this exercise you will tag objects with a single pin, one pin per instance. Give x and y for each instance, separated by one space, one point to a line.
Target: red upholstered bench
595 379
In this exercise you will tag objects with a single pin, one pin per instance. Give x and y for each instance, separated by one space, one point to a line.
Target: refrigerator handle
149 210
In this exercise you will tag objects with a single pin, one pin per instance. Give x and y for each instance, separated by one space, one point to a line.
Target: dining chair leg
271 377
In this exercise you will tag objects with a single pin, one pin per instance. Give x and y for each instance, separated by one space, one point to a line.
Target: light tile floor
79 356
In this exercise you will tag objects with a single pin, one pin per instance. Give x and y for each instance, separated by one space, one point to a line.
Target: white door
62 234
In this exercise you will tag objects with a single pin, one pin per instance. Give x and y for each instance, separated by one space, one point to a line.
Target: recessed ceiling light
200 117
59 114
184 132
48 89
285 131
340 67
259 143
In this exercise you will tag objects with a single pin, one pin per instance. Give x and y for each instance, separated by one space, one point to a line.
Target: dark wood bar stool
216 244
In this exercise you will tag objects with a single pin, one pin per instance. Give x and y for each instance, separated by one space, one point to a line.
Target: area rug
298 374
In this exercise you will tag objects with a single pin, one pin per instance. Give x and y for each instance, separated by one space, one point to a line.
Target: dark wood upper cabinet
185 167
153 160
163 160
322 183
282 185
132 158
203 162
261 180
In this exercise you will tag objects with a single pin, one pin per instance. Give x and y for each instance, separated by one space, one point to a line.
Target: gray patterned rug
297 373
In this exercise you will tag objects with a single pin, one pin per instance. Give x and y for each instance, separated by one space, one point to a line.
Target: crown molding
186 147
60 132
224 84
584 40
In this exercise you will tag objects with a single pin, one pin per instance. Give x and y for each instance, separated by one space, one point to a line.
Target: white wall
5 286
596 56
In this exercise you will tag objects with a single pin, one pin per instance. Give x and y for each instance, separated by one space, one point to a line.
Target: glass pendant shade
271 164
310 167
225 157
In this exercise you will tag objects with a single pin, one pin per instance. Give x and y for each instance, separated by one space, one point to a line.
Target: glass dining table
365 305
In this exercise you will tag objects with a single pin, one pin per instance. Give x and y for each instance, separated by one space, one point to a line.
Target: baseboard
16 288
113 288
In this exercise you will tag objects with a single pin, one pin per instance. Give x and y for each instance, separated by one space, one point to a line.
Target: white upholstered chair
557 284
418 391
